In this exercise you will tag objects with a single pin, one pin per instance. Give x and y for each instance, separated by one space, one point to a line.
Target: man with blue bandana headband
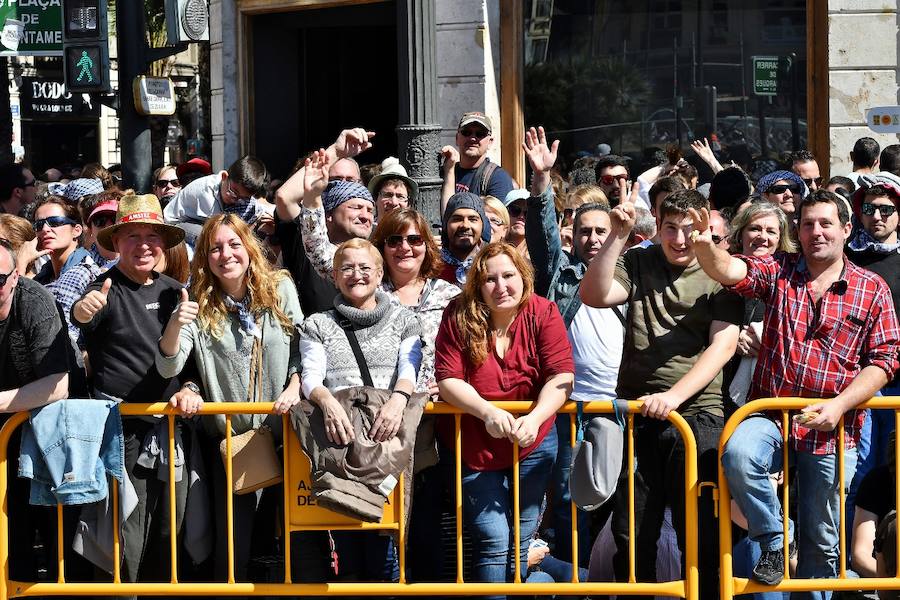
465 229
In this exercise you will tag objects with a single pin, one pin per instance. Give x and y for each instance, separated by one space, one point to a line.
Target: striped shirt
815 349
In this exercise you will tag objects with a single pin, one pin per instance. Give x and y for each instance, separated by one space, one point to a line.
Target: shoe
769 568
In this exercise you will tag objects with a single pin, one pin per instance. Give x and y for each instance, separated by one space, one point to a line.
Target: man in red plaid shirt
830 333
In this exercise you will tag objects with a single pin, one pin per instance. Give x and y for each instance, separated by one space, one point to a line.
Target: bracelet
402 393
191 386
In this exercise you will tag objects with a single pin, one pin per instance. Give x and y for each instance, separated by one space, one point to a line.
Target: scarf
862 241
462 266
246 211
245 317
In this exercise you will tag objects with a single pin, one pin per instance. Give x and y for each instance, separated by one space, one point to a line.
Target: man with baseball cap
467 167
122 316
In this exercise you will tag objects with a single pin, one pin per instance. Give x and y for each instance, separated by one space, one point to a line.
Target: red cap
192 166
108 206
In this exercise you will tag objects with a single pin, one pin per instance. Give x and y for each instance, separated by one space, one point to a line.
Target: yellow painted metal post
229 499
401 532
786 495
173 533
285 432
691 495
60 548
575 541
5 433
631 540
842 563
459 492
517 531
117 550
726 572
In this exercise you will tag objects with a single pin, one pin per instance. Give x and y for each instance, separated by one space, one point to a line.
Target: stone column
418 135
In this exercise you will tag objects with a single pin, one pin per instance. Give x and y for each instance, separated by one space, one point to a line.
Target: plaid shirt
814 350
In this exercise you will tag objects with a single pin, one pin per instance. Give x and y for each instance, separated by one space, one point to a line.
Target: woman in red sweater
500 341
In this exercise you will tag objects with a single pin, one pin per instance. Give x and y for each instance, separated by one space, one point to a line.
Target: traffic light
187 21
85 46
705 110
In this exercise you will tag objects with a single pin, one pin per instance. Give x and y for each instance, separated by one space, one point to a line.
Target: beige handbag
254 462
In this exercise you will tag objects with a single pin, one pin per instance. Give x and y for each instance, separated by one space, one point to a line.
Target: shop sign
154 95
41 98
884 119
765 75
31 27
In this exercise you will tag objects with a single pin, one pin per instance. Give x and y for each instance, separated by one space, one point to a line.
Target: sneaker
769 568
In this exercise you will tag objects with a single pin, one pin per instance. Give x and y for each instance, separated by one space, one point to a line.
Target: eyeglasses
235 195
810 181
389 195
886 210
476 132
365 271
102 221
414 240
161 183
717 239
783 187
495 222
53 222
611 179
516 210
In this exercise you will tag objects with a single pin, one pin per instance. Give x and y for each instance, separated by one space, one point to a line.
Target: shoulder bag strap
347 326
481 178
620 316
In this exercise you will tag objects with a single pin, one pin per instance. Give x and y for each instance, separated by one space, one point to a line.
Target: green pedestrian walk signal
85 46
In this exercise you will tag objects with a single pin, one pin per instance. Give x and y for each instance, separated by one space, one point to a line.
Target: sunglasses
475 132
810 181
413 239
53 222
717 239
611 179
516 210
886 210
4 278
102 221
783 187
161 183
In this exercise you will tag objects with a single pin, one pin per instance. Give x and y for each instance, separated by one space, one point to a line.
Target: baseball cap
475 117
192 166
108 206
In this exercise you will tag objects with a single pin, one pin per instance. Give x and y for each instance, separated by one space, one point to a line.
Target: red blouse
538 349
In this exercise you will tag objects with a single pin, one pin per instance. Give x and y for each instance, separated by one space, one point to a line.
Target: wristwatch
191 386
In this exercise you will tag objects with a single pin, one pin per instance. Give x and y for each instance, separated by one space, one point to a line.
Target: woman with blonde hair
242 330
498 217
501 341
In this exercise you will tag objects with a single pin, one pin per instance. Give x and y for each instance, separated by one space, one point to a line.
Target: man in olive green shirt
683 327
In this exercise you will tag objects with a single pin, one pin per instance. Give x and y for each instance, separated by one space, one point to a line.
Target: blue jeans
561 500
755 451
487 511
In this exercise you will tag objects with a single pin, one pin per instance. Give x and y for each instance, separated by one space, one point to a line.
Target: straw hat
140 209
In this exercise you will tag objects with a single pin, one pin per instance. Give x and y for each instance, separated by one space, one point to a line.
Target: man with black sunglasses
804 164
17 188
467 167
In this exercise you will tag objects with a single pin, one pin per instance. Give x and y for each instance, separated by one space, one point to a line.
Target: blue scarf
462 266
246 211
862 241
245 317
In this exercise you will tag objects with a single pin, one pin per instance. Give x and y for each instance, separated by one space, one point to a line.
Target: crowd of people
691 286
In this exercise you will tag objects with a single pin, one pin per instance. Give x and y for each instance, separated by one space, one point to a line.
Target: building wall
224 90
863 60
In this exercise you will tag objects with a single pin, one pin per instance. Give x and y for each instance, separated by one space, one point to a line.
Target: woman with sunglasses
57 225
501 341
784 189
165 184
241 331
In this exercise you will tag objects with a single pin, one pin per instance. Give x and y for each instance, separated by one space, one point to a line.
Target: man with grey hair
644 229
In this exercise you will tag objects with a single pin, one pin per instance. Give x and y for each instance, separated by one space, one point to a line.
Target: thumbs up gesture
93 302
186 311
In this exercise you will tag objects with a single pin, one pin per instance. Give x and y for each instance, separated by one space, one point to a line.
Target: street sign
765 75
31 28
48 100
884 119
154 95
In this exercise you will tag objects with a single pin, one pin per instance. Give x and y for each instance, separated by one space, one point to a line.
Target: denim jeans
872 452
658 481
561 500
755 451
487 511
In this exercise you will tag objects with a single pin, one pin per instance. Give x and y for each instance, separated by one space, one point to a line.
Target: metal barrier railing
730 585
686 588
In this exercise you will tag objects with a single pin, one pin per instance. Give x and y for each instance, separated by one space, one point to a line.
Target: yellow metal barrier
306 516
730 585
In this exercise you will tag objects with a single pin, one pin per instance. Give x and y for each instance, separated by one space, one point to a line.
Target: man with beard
596 334
465 227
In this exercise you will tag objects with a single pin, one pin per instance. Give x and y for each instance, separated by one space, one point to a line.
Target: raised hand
352 142
706 154
449 157
315 176
541 156
94 301
622 218
186 311
700 232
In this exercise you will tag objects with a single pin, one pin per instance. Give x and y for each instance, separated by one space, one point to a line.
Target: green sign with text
765 75
31 27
